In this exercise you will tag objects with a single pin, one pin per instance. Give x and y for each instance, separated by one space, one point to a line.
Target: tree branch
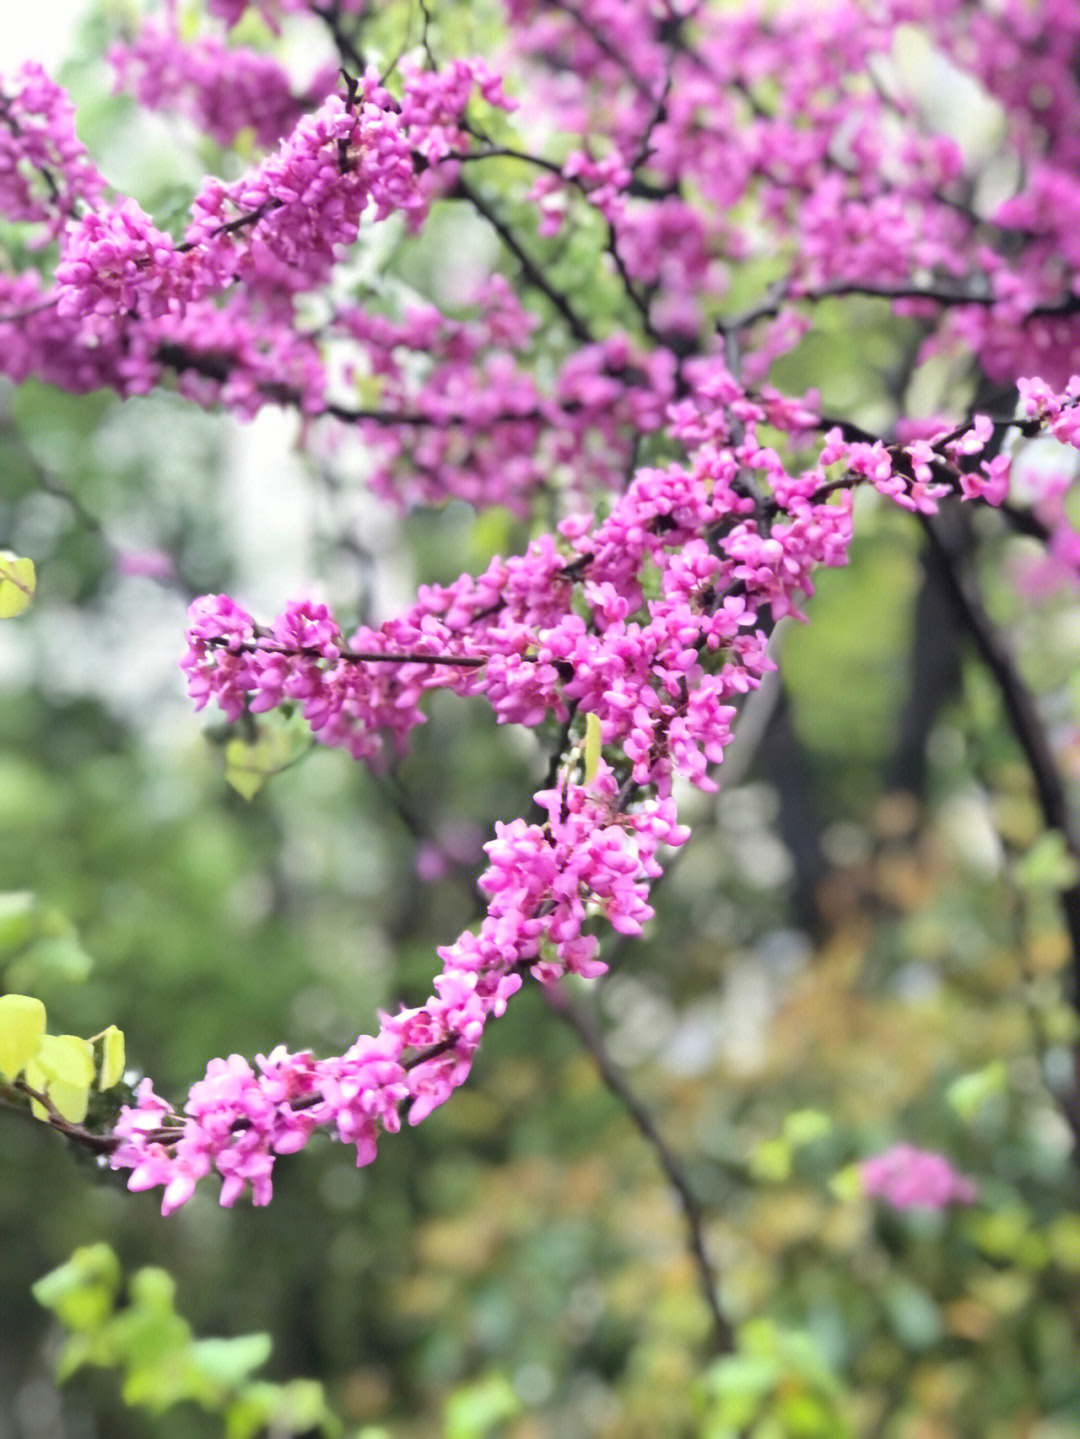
1028 727
561 1004
531 270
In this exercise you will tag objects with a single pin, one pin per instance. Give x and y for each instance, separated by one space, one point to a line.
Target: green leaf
804 1126
17 584
67 1059
847 1183
302 1406
249 1413
1048 864
970 1092
63 1067
1063 1239
298 1407
771 1160
160 1383
59 958
78 1349
745 1376
22 1026
18 919
227 1363
248 765
153 1288
473 1411
70 1100
81 1292
36 938
1002 1233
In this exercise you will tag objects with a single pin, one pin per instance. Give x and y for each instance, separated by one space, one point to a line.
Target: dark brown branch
77 1133
344 44
15 317
1028 727
263 647
781 296
531 270
776 300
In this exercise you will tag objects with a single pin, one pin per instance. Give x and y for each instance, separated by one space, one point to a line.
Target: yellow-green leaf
476 1410
66 1058
804 1126
17 584
22 1024
72 1100
37 1079
847 1183
970 1092
592 746
1048 865
112 1057
82 1291
249 766
62 1068
771 1160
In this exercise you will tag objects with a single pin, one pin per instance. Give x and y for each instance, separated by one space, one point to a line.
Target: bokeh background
861 945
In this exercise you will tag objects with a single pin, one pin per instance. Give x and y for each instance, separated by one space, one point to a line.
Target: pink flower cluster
281 228
460 413
845 191
1059 414
568 624
552 629
909 1178
916 475
45 172
225 90
847 179
546 883
847 183
237 1120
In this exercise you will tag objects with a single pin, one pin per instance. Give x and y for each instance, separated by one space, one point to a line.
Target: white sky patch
38 32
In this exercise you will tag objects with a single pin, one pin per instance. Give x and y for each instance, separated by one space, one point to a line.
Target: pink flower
151 564
907 1178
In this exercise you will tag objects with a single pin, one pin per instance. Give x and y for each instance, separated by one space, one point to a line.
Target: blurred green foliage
163 1363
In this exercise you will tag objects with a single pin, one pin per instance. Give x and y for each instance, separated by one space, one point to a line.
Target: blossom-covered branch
657 675
677 205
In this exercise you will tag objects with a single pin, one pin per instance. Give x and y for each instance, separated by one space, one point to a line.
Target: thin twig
562 1005
77 1133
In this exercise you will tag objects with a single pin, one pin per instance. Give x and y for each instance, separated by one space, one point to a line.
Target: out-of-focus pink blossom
151 564
909 1178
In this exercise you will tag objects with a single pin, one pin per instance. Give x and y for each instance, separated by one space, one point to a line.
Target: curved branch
530 268
560 1003
1030 731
